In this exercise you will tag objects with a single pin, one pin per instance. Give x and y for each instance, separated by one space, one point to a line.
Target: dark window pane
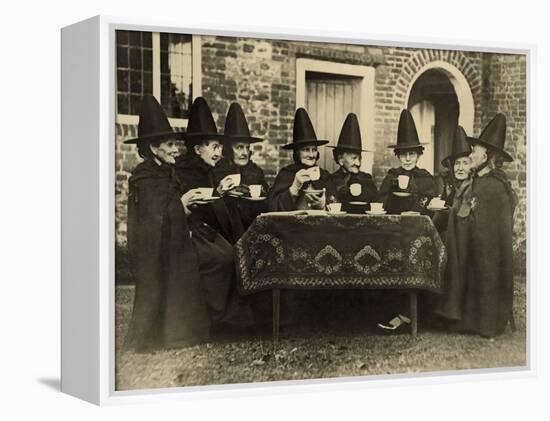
164 42
165 85
135 103
122 56
164 67
134 69
122 81
147 39
122 104
147 82
147 60
122 37
135 38
135 58
135 82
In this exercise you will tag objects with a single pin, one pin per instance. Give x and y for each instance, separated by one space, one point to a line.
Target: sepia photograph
299 210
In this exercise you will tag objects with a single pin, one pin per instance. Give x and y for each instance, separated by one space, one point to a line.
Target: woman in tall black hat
349 183
301 185
458 181
458 163
196 169
482 296
179 268
236 160
407 188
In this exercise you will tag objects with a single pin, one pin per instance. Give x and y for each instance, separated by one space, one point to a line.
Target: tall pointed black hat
493 137
350 135
236 126
201 124
460 147
153 123
407 136
303 133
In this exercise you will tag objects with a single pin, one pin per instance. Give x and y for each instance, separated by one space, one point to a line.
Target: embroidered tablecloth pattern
340 251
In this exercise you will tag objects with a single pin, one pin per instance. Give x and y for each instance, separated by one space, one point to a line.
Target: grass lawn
322 351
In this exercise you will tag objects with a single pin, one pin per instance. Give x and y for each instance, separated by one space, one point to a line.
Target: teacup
314 173
236 178
255 190
206 192
403 181
334 207
355 189
377 207
437 202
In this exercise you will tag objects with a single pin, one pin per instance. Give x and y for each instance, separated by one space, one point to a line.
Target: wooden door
424 119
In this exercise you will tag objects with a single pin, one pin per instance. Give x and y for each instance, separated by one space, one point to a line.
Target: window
176 70
161 64
134 69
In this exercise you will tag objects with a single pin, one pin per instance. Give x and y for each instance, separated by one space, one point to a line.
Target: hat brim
408 146
505 155
246 139
447 160
156 136
349 149
302 143
194 138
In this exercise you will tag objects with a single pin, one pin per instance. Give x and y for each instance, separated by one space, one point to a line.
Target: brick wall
261 76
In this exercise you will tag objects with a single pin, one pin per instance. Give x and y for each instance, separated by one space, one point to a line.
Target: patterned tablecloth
340 251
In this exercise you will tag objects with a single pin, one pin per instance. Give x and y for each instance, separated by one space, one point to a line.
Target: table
284 250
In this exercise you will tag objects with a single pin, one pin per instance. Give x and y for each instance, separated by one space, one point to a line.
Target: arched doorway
439 99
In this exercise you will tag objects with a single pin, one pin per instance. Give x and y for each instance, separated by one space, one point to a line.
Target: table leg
414 312
276 313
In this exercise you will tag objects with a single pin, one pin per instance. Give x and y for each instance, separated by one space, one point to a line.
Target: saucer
402 193
206 200
254 199
437 209
313 191
316 212
337 212
235 194
358 203
369 212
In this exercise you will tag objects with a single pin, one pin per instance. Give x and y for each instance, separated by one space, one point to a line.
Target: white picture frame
88 206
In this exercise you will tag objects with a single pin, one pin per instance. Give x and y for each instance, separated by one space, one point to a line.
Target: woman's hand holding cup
300 178
316 201
226 184
190 198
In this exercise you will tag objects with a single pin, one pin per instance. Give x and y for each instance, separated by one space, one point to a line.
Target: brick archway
463 75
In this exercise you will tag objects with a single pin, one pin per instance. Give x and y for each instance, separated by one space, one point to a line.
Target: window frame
133 119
